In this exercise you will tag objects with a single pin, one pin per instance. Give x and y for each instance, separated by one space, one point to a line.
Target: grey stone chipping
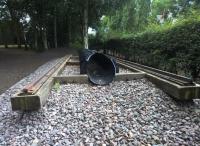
122 113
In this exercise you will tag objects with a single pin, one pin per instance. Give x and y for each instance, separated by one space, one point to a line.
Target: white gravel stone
36 142
123 70
71 70
122 113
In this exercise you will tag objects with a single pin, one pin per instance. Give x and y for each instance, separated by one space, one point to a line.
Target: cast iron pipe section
100 69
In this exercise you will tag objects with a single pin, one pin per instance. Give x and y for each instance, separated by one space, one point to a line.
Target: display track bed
75 70
132 112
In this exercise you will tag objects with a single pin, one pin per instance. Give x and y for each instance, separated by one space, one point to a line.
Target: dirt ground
16 64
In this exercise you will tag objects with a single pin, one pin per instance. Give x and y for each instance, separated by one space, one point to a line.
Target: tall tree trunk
55 29
4 37
6 41
86 24
69 30
25 40
68 36
35 39
44 39
18 34
16 24
18 40
81 27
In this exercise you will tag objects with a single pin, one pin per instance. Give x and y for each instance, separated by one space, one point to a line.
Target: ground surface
15 64
75 70
134 113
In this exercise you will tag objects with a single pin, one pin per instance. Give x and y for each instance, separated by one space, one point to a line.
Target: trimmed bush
176 49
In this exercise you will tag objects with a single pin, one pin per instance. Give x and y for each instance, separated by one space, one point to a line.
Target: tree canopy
59 21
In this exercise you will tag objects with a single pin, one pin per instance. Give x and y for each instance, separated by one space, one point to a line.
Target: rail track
181 80
34 95
179 87
33 87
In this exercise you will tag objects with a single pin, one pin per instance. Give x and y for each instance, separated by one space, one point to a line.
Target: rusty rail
34 95
178 79
33 87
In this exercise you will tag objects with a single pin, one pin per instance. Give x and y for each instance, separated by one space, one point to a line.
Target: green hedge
176 49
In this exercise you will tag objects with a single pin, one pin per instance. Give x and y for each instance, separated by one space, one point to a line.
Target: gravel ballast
75 70
123 70
122 113
71 70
